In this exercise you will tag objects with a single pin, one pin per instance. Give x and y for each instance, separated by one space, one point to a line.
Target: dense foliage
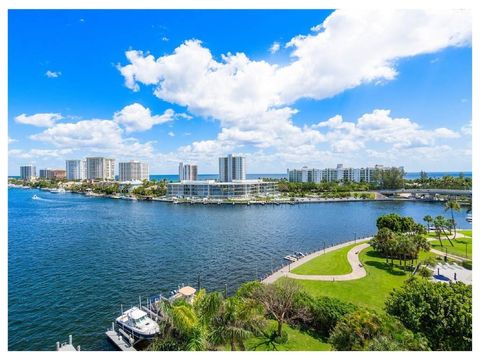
441 312
367 330
400 224
326 312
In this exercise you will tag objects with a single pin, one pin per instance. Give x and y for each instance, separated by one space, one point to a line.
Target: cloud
254 100
379 127
467 129
96 135
53 74
135 117
274 48
171 133
10 140
41 120
38 153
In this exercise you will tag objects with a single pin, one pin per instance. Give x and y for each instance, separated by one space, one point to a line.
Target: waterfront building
52 174
132 171
338 174
28 172
231 168
100 168
236 189
304 175
187 172
76 169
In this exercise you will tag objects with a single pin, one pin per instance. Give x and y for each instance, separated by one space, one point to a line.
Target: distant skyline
292 88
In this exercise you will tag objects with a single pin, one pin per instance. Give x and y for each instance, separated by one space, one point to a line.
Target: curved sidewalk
352 256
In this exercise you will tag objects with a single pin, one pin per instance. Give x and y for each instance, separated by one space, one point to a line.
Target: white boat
469 218
137 323
58 191
35 197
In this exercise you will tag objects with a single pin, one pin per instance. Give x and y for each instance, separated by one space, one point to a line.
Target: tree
428 219
392 178
326 312
423 175
441 312
452 205
238 319
442 227
367 330
278 300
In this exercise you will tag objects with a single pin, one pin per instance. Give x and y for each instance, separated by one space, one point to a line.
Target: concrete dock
119 339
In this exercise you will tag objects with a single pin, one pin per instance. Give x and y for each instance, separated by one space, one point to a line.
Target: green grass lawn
370 291
462 246
331 263
297 341
466 232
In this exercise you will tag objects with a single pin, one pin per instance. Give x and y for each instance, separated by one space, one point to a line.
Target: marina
119 250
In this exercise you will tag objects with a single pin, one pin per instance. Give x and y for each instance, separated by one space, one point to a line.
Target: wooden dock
118 339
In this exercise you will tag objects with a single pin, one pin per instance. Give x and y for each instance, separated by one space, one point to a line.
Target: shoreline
284 270
240 201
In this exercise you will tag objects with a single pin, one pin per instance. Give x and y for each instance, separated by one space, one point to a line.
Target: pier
118 338
67 346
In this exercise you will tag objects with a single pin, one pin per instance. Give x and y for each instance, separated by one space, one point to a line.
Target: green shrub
467 264
326 312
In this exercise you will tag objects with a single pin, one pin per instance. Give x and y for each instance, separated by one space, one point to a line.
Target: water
72 260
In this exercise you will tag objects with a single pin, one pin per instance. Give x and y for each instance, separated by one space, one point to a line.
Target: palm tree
239 318
441 225
428 219
452 205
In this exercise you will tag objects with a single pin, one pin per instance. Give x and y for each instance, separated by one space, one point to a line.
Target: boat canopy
135 313
187 291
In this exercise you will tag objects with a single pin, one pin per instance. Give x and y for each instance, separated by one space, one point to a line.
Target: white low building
211 189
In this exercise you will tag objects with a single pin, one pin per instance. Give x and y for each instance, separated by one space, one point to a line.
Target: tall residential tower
100 168
231 168
187 172
76 169
133 170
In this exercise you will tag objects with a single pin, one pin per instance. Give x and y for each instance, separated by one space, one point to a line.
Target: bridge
447 192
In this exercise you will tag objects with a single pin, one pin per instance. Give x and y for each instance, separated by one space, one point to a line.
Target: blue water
72 260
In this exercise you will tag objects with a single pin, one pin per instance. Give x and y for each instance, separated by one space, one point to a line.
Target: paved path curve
352 256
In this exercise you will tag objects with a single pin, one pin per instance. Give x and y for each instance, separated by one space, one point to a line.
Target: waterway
72 259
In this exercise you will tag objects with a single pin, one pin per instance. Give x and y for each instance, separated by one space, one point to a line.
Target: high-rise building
52 174
187 172
28 172
231 168
339 174
76 169
100 168
132 170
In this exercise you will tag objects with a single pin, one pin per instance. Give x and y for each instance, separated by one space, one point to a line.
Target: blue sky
361 89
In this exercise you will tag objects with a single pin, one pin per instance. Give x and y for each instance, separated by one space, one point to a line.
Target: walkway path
352 256
454 257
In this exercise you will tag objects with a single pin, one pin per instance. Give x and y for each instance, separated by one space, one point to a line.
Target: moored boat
137 323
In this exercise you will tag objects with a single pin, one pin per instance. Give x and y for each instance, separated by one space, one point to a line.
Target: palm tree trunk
232 344
279 328
241 345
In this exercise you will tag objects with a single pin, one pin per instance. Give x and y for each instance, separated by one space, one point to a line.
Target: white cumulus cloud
53 74
135 117
41 120
254 100
274 48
